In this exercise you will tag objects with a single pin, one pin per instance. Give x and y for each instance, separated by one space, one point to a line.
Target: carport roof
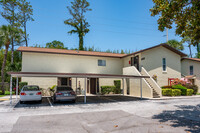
78 75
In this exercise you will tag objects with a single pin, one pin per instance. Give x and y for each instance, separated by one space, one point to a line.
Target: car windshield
31 88
64 88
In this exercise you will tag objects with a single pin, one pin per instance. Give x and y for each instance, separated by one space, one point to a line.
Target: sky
114 25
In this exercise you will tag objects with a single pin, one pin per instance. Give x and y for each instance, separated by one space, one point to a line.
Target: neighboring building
190 68
161 61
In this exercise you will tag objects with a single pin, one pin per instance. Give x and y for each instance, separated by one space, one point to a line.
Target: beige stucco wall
43 62
134 84
42 82
185 69
153 64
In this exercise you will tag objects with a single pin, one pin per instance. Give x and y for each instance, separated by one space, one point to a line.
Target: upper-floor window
164 66
191 70
101 62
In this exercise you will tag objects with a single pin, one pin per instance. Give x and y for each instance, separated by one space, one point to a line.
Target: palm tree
6 34
5 37
176 44
188 40
78 20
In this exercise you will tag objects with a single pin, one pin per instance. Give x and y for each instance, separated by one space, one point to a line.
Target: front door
64 81
135 61
93 86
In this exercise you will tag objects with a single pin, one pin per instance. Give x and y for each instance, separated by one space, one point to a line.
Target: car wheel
73 101
54 100
40 101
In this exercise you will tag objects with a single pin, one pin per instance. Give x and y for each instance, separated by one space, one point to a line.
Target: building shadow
186 116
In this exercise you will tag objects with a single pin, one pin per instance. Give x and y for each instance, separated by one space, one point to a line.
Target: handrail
144 79
157 88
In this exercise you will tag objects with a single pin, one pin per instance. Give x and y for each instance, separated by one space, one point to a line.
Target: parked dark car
63 93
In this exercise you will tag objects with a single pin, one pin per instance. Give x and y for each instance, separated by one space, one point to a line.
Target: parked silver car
63 93
30 93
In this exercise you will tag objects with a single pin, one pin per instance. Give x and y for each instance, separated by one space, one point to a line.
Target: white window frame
191 66
164 65
101 62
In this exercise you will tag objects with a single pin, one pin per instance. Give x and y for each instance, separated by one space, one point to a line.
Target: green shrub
167 92
176 92
182 88
107 89
171 92
53 87
194 87
190 92
117 89
167 86
22 84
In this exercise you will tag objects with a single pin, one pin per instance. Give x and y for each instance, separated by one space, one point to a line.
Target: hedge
194 87
176 92
117 84
182 88
190 92
107 89
171 92
167 92
22 84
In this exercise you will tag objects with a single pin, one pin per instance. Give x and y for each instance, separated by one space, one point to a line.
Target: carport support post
10 90
141 87
17 88
85 90
76 85
123 85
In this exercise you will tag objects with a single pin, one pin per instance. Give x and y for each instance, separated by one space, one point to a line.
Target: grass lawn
6 93
2 95
198 93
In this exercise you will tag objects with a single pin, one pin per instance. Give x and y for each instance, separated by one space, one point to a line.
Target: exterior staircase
151 82
155 93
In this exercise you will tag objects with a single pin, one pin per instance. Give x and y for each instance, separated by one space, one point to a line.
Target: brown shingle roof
70 52
91 53
164 45
193 59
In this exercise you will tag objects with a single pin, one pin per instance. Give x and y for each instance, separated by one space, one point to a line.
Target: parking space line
50 102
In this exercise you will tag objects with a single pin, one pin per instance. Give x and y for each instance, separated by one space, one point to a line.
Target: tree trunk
25 36
2 70
12 51
81 36
190 50
81 42
12 38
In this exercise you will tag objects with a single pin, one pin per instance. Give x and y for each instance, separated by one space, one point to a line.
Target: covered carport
18 75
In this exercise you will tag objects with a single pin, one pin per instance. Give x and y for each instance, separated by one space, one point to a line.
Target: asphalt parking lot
46 101
92 122
112 114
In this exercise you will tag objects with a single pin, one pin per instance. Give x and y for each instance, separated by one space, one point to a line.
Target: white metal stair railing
156 88
143 79
155 94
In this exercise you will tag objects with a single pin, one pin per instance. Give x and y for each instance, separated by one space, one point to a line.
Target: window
164 64
101 62
191 70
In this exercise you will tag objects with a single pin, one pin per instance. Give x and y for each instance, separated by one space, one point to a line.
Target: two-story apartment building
161 61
